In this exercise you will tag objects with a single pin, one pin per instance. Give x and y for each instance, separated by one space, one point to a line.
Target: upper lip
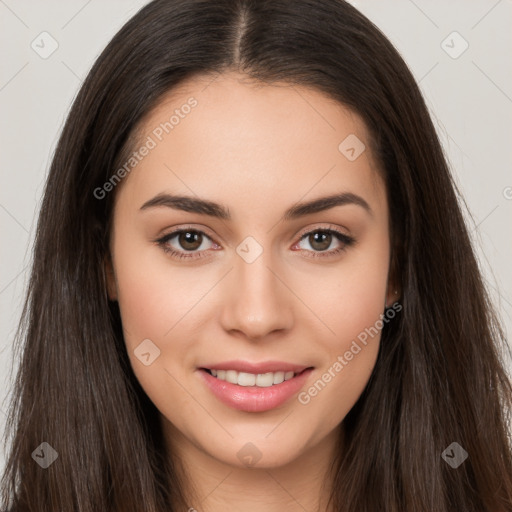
256 368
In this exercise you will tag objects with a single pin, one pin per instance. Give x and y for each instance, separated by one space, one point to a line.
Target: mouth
254 392
245 379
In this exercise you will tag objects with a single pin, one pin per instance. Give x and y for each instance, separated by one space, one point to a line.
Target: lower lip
254 398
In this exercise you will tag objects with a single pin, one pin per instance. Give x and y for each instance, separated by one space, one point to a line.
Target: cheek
153 298
154 306
351 298
352 306
145 308
162 303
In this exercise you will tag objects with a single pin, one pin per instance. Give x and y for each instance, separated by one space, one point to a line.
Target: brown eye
320 240
186 244
190 240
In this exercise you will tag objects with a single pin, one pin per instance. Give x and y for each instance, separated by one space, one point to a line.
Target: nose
257 300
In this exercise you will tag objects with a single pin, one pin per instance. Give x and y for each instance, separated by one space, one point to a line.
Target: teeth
265 380
262 380
232 376
278 377
244 379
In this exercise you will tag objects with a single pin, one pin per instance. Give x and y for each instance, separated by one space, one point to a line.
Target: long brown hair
439 377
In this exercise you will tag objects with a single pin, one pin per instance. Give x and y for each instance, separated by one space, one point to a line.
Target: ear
393 291
394 288
392 294
110 278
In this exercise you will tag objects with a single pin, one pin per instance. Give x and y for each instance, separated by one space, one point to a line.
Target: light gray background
470 98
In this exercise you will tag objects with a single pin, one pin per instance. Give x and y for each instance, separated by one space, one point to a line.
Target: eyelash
346 240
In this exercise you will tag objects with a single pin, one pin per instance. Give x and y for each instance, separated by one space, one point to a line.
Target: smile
262 380
254 392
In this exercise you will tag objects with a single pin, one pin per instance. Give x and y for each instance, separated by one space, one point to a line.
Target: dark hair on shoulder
439 376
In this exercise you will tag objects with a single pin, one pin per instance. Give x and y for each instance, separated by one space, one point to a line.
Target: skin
257 149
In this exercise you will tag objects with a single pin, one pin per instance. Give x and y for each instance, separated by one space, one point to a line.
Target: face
249 276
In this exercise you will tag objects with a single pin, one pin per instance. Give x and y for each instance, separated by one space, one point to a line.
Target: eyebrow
212 209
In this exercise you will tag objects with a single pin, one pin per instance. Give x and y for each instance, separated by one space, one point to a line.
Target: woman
252 282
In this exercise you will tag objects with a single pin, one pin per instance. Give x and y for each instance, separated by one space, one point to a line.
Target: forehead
251 145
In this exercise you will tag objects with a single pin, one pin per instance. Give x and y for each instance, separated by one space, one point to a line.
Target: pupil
325 240
188 240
